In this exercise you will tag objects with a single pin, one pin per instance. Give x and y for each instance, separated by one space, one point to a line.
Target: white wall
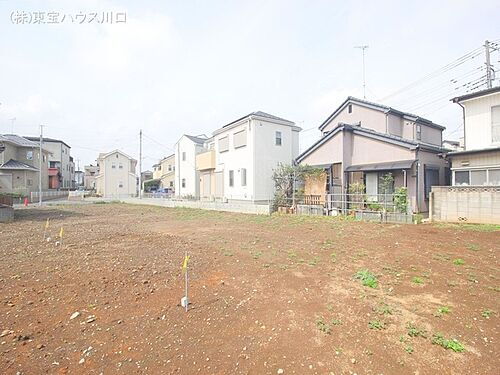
478 121
267 156
236 160
186 169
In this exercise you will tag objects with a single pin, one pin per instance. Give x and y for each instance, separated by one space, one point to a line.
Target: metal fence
370 207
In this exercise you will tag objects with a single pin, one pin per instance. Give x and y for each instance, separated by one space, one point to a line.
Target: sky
189 67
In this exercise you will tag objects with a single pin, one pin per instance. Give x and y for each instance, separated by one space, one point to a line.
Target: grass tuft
453 344
376 324
459 262
367 278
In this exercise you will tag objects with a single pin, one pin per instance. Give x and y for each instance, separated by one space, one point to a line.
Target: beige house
479 163
364 141
89 176
116 178
19 165
61 166
167 168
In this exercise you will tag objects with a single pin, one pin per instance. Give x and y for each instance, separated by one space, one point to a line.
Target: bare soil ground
269 295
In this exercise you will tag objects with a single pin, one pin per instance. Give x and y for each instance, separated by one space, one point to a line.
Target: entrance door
205 185
219 184
371 186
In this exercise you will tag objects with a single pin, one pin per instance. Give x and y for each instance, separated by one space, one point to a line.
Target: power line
461 60
445 85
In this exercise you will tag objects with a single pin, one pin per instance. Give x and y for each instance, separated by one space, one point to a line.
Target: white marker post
185 300
45 230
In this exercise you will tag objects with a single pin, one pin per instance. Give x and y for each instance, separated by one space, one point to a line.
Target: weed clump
453 344
367 278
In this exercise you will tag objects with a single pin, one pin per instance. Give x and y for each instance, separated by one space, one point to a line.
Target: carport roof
400 164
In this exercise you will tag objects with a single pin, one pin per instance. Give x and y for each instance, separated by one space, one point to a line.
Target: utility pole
40 157
363 47
140 164
489 79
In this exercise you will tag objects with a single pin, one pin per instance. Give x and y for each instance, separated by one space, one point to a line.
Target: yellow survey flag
61 232
47 224
185 263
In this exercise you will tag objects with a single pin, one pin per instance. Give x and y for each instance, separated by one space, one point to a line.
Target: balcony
205 160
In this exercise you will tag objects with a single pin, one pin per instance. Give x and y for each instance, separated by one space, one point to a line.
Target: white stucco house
237 162
186 174
116 177
479 163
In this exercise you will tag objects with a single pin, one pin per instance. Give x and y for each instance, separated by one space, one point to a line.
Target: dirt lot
269 295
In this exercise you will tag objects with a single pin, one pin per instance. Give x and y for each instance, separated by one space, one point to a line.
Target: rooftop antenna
363 47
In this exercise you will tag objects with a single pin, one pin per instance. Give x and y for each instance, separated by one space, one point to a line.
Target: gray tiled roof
196 139
17 140
14 164
260 114
52 140
382 107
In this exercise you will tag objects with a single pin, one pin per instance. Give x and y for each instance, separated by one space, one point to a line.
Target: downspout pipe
417 167
463 119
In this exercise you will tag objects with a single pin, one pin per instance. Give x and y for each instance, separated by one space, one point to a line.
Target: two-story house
187 176
479 163
90 172
116 178
61 167
238 162
364 141
20 165
167 177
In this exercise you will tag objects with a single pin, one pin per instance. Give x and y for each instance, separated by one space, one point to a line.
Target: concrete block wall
466 204
6 214
244 208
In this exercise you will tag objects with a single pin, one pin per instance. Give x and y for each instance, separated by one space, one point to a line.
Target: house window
349 108
169 168
418 132
231 178
495 124
171 183
29 155
243 177
224 144
494 177
120 166
120 184
183 183
240 138
278 139
183 156
113 165
478 178
461 177
30 182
